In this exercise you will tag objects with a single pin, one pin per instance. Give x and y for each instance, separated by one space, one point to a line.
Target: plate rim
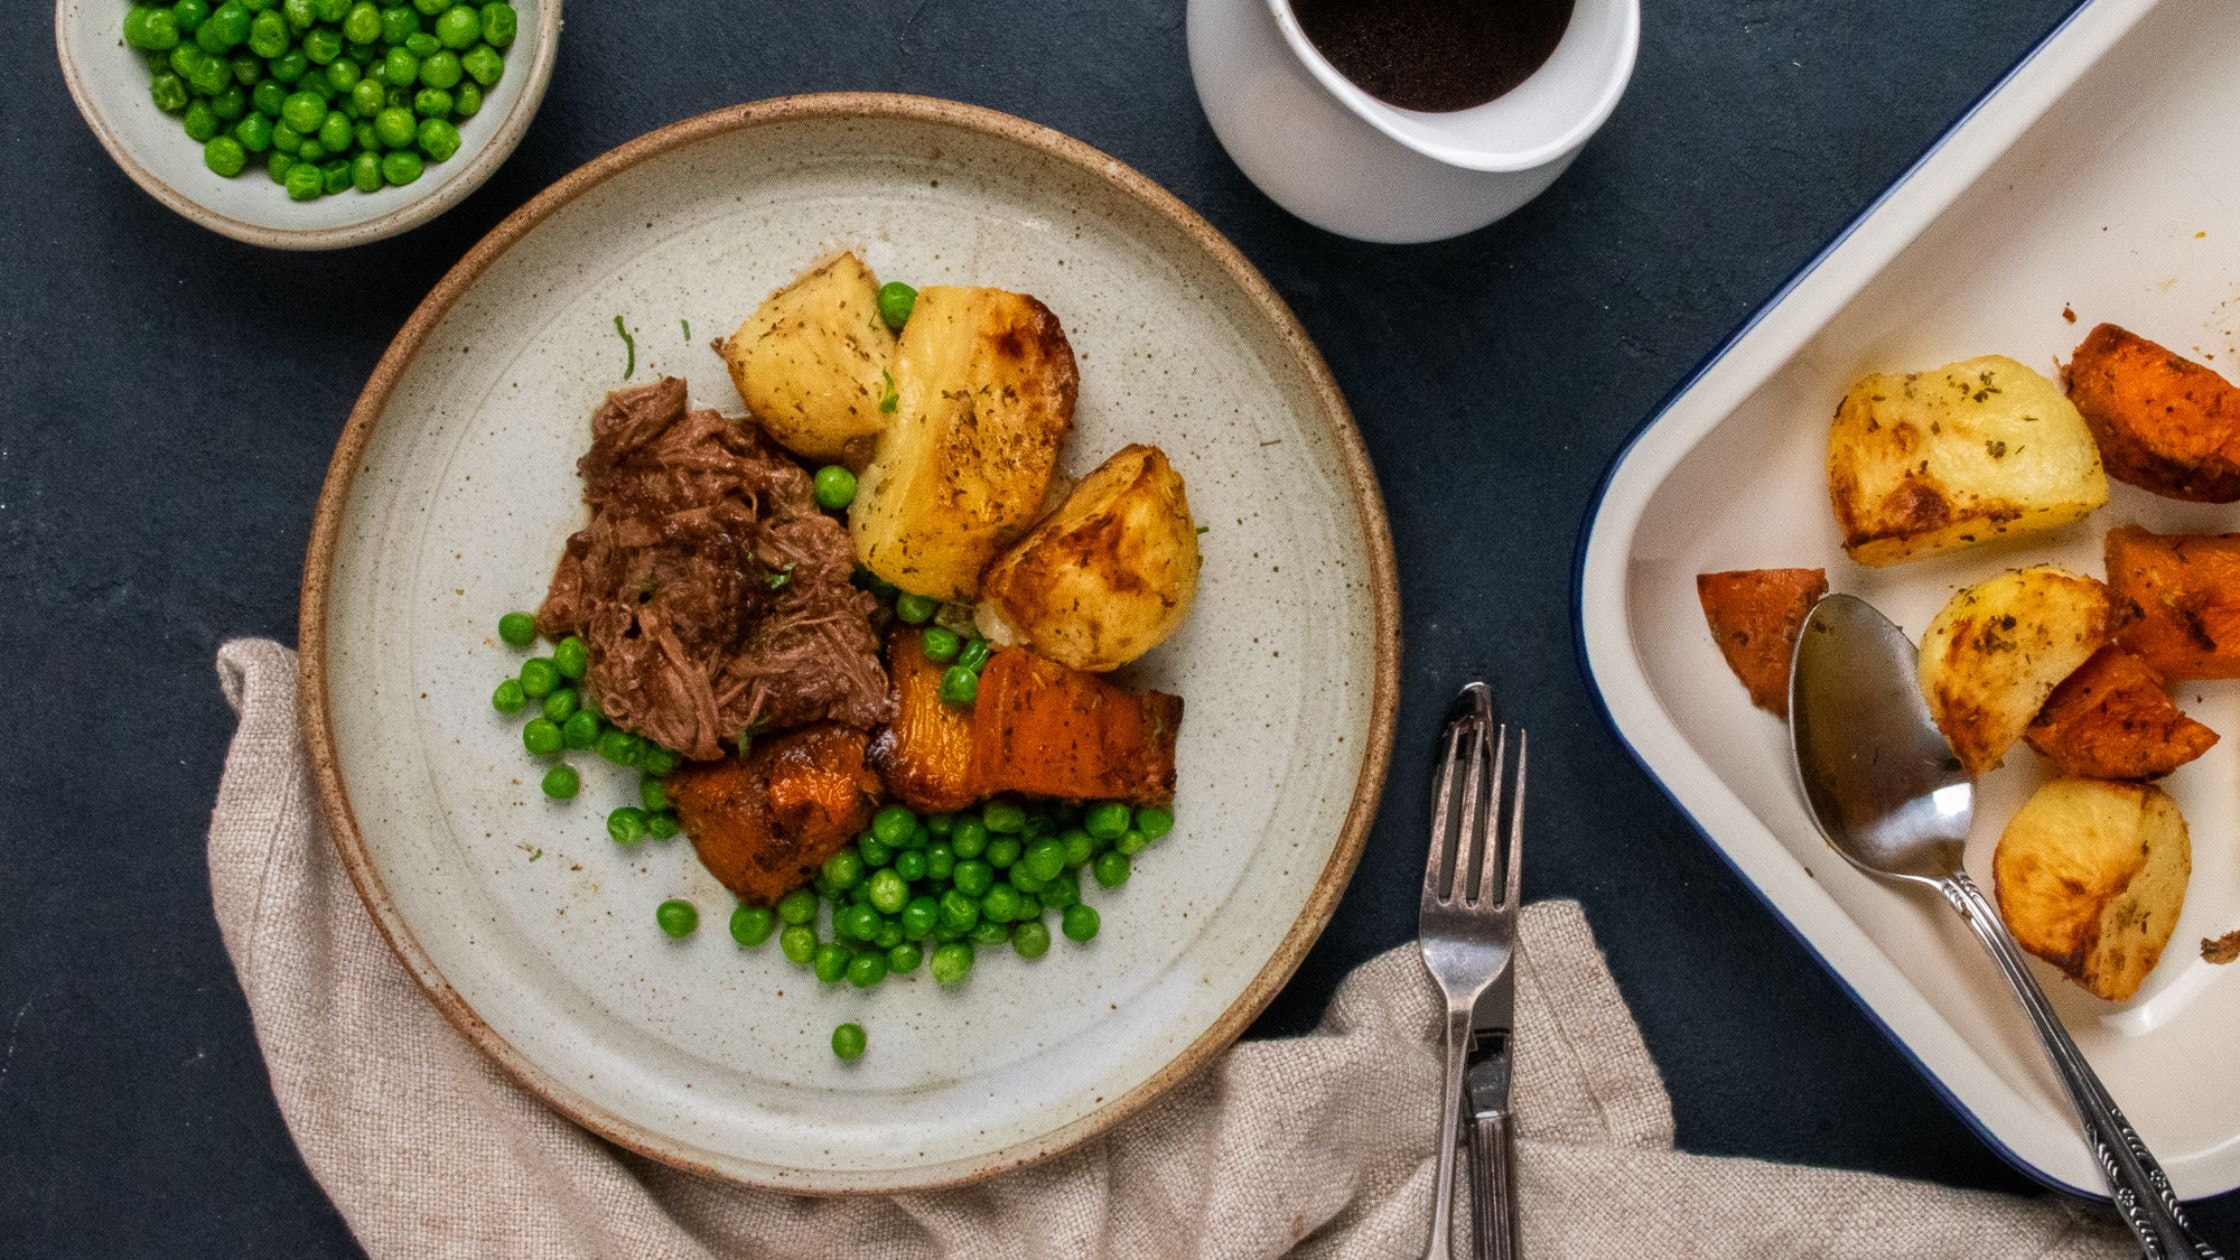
1353 459
2098 25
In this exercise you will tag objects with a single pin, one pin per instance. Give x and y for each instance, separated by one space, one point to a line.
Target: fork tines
1478 822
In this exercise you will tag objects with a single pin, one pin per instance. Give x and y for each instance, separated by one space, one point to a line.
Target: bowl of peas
308 124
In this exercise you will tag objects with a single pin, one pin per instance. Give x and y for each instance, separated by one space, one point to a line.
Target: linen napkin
1313 1146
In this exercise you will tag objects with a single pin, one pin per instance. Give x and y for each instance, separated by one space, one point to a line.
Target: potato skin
2164 423
986 384
1999 648
2091 876
2186 590
1932 461
1106 577
2112 719
811 362
1756 616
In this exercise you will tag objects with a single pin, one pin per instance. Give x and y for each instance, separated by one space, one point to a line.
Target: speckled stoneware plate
453 489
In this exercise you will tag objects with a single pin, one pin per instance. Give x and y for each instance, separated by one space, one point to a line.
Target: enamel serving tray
454 488
2098 178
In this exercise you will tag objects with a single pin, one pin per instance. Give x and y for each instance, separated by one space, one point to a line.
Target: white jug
1343 160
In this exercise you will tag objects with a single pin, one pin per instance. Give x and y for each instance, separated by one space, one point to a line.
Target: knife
1485 1101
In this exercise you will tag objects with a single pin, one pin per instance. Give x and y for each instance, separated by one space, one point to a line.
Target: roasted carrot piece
2187 588
925 753
1041 729
2112 719
762 824
2163 422
1756 615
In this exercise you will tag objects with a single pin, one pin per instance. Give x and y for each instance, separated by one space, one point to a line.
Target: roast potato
1998 649
2186 589
986 384
812 363
1107 576
2164 423
2113 720
1932 461
2091 875
1756 615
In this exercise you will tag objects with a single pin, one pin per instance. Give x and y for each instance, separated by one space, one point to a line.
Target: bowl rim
1352 454
434 200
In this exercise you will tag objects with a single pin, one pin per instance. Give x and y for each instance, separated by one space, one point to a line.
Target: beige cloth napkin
1315 1146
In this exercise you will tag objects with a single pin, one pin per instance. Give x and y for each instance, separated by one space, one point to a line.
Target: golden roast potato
1999 648
1107 576
1932 461
985 385
812 363
2091 875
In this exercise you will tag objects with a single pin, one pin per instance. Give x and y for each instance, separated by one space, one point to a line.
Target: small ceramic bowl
109 80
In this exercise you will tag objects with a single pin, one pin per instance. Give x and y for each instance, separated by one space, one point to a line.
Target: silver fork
1468 926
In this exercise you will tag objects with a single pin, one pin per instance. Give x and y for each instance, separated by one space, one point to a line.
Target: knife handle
1493 1187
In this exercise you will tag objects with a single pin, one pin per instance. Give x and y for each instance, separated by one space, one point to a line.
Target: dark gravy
1435 55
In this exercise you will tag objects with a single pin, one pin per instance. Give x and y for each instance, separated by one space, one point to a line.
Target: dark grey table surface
168 400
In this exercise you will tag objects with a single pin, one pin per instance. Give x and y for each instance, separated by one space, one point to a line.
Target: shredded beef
714 595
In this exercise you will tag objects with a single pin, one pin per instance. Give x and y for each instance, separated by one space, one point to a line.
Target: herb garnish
686 324
889 400
629 344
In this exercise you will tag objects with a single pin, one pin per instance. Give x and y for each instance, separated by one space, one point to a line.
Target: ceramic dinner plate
453 490
2096 184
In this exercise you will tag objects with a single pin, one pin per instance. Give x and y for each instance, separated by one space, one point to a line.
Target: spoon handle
2142 1193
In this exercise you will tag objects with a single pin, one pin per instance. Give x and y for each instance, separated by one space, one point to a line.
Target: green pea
968 838
1001 904
892 824
321 45
910 864
959 685
286 138
835 487
201 121
225 156
1077 845
987 932
191 14
663 826
939 644
798 943
652 795
1024 880
1045 859
344 75
1031 938
366 101
798 906
268 97
1004 817
304 112
539 676
620 747
395 127
433 104
362 25
169 92
277 165
1130 843
572 656
959 910
1111 869
398 24
857 922
1154 822
941 863
541 736
844 869
952 962
458 28
330 10
429 8
468 102
848 1042
151 30
441 70
1003 851
915 609
677 917
920 916
509 697
581 728
896 301
867 969
974 878
1079 923
499 25
1061 892
830 962
230 105
752 925
628 825
905 958
400 67
974 655
226 29
300 13
365 175
875 854
561 783
334 132
310 153
290 66
422 44
889 891
248 70
317 85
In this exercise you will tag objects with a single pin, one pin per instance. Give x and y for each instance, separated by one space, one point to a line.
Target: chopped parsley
891 399
630 346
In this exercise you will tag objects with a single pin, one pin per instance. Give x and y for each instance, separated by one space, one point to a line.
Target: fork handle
1493 1186
2141 1191
1438 1246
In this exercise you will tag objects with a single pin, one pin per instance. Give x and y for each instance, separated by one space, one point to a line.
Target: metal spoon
1891 798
